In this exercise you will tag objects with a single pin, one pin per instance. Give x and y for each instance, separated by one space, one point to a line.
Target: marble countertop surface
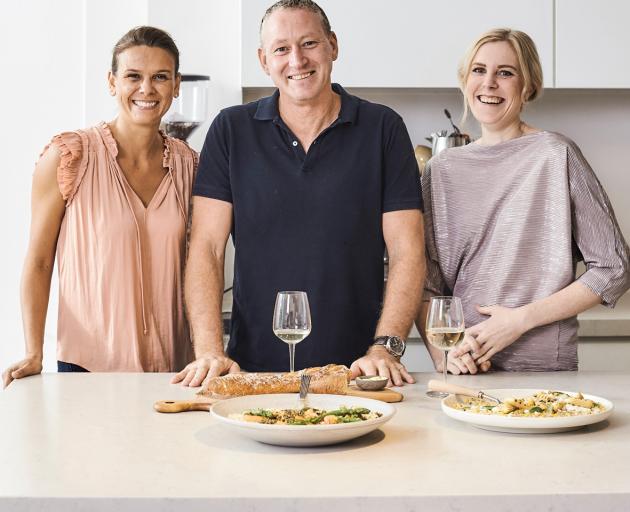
93 442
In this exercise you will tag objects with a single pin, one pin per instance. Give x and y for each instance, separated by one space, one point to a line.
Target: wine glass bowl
444 329
292 320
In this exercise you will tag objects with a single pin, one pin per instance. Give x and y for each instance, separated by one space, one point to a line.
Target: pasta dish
540 404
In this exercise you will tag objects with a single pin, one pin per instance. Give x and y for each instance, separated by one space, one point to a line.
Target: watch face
396 345
393 344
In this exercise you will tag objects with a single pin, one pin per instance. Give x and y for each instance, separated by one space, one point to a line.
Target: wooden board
203 404
183 405
384 395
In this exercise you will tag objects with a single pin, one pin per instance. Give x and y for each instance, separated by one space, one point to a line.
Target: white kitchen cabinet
407 43
592 45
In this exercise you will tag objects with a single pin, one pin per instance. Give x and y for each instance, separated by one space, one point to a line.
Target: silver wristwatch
393 344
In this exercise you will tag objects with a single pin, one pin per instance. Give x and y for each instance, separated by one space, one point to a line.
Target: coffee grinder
190 108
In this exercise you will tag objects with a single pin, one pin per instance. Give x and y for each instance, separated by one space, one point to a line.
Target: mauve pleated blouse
506 224
121 264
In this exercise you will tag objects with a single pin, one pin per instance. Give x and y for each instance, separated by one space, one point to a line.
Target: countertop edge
564 502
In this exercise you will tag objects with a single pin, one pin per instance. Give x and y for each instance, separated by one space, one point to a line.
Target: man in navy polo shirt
312 183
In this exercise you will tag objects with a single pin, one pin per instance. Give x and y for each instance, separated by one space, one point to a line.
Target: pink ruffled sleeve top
120 263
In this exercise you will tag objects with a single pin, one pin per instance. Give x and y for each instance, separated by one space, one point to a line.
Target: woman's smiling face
494 86
144 84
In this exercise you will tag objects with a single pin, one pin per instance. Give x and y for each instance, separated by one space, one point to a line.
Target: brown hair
308 5
145 36
526 54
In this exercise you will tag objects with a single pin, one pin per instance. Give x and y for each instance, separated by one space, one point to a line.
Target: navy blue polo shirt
308 221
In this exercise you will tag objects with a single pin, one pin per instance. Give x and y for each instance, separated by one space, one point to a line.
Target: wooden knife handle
438 385
181 405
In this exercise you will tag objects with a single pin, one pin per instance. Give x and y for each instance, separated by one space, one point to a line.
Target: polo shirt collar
267 109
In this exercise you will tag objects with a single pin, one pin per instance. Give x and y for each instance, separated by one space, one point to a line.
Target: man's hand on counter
204 367
378 361
23 368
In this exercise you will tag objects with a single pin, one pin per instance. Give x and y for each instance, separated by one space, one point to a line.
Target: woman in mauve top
113 202
508 217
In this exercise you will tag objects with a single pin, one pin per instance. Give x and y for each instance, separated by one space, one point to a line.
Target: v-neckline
136 195
112 146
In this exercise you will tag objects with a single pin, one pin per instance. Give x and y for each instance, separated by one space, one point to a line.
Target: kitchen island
93 442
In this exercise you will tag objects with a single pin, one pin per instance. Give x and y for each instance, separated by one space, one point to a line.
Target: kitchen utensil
448 115
169 406
305 382
423 154
454 389
190 108
440 141
299 435
371 382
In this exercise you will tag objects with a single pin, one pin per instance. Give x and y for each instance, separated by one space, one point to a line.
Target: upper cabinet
592 46
407 43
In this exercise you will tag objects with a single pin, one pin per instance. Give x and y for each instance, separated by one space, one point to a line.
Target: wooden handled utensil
454 389
182 405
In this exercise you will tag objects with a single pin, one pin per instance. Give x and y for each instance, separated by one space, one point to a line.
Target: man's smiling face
297 54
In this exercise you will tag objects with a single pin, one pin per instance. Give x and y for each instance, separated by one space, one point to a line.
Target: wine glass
444 329
291 320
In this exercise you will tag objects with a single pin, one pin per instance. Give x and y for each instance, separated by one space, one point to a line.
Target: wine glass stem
444 371
292 356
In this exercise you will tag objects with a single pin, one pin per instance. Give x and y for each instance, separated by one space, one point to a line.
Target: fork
305 382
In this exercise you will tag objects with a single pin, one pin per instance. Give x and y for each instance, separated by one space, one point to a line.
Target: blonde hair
526 54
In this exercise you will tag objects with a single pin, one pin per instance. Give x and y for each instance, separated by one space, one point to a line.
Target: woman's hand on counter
378 361
205 367
24 368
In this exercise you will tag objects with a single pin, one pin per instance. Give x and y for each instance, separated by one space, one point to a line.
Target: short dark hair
308 5
145 36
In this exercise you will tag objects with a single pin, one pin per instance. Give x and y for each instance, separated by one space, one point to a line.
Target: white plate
300 435
521 425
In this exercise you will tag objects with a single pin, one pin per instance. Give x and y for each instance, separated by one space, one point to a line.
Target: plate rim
532 424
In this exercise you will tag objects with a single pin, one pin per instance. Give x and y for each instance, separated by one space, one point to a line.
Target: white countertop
93 442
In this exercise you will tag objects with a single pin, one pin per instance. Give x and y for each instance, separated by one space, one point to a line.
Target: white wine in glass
292 320
444 329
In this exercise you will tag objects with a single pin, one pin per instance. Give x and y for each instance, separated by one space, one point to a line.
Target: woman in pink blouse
113 202
507 218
